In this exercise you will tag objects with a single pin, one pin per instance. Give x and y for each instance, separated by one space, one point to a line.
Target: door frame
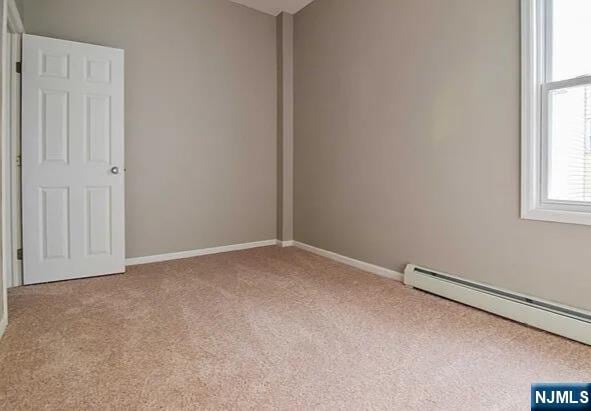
11 125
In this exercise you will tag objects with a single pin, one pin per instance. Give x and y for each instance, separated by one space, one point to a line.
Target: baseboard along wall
197 253
371 268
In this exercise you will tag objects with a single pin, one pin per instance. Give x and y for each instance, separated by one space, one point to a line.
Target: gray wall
285 127
201 94
407 144
20 7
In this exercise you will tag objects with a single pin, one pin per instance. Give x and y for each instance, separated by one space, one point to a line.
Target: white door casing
72 160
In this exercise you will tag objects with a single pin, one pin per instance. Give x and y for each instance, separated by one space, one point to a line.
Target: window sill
557 216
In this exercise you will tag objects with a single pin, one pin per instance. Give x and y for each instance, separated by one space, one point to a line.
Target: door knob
115 170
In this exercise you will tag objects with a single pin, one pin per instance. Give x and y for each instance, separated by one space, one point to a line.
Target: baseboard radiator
555 318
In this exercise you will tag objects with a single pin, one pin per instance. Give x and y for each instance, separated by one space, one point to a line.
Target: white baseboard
371 268
3 324
374 269
196 253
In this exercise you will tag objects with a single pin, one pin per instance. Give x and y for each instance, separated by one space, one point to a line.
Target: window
556 110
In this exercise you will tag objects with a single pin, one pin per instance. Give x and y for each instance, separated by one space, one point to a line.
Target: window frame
535 92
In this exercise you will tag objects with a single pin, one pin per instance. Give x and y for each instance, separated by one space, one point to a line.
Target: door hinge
19 254
18 161
19 67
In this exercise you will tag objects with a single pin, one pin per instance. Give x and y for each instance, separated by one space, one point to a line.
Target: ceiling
275 7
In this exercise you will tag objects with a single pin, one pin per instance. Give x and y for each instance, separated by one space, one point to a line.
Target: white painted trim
531 73
10 192
196 253
518 311
7 244
3 324
371 268
4 232
14 202
284 244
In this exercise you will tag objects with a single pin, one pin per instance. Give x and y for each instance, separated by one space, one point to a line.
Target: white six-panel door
72 160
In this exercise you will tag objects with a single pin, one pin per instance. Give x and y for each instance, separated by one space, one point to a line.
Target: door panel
73 131
98 129
54 126
55 231
98 220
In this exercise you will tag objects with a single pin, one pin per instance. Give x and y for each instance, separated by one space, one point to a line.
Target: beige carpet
268 328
